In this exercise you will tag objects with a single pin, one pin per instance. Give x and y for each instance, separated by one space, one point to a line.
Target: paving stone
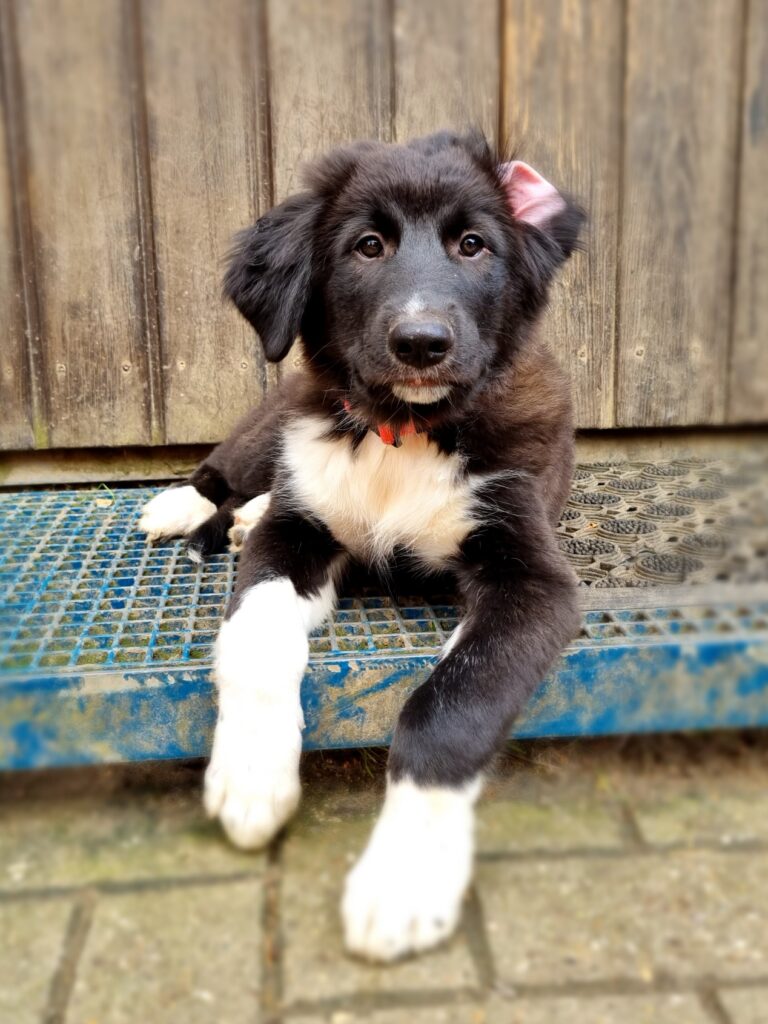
335 801
705 817
187 955
471 1014
31 943
651 1009
685 913
518 825
746 1005
71 842
315 966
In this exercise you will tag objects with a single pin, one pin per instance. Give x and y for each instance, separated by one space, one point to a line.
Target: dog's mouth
425 399
420 392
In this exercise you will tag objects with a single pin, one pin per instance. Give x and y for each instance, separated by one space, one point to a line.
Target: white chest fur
377 496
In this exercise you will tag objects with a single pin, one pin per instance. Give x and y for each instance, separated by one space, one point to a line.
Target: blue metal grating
105 645
80 588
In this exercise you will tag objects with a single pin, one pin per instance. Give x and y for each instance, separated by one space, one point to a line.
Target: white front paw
405 893
252 782
391 909
175 512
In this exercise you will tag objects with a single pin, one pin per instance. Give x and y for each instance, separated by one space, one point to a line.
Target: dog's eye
471 245
370 246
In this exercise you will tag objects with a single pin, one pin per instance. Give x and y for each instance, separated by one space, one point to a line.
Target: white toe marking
245 518
405 892
252 781
175 512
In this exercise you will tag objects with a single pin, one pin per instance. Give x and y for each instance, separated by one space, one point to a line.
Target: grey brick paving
31 943
606 893
505 825
747 1005
183 956
629 917
315 967
651 1009
696 816
150 836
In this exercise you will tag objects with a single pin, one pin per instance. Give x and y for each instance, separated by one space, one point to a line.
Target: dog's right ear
269 275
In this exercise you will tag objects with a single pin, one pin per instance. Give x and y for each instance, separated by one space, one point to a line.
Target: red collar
387 434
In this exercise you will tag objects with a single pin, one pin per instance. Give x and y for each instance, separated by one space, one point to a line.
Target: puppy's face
411 272
417 279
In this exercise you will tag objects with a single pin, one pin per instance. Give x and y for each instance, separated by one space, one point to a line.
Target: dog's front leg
405 893
285 588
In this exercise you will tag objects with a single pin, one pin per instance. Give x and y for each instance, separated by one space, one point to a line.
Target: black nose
421 343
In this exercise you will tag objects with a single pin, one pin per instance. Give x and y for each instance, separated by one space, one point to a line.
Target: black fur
283 545
298 271
520 610
212 535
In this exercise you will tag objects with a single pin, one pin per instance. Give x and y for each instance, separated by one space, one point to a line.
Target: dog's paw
387 915
405 893
175 512
252 782
245 518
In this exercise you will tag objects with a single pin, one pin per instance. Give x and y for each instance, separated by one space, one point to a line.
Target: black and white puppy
429 425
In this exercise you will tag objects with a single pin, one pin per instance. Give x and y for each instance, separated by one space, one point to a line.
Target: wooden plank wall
562 99
16 429
749 357
206 161
677 220
137 136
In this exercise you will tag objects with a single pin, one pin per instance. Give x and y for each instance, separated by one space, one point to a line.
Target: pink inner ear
532 198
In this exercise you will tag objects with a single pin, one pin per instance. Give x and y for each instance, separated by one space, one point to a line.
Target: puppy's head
410 272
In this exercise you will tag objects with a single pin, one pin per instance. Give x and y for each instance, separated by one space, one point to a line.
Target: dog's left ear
269 275
533 200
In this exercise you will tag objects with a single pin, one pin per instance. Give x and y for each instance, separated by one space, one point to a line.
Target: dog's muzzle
420 343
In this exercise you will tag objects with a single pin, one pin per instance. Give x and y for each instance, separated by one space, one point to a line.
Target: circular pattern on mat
668 510
584 550
683 520
665 470
594 500
664 567
626 485
624 530
701 493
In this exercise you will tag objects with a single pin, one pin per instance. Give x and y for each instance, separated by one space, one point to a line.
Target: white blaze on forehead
414 305
420 394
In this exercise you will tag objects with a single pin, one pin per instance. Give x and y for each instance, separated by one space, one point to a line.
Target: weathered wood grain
139 134
16 430
330 79
748 398
203 69
446 59
678 202
15 419
562 108
330 82
82 192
